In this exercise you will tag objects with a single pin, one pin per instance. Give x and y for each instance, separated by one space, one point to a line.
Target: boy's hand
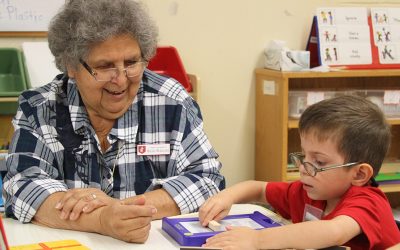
215 208
234 238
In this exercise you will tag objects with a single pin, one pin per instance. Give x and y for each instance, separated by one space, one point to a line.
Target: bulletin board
27 17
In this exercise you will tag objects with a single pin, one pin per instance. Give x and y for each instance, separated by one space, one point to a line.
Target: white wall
222 42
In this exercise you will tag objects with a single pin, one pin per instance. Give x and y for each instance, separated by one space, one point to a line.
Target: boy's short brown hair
358 126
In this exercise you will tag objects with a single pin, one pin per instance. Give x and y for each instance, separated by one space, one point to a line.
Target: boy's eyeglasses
298 159
106 75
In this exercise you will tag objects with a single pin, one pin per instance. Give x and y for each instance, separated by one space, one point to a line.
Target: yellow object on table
59 245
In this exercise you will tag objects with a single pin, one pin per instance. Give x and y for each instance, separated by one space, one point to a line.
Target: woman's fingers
77 210
76 201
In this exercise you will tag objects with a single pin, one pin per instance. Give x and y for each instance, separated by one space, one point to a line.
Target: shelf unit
276 133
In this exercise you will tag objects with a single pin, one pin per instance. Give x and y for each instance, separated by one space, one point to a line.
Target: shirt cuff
28 198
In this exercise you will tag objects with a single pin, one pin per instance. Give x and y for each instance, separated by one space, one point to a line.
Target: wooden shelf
276 133
331 74
390 188
8 99
6 129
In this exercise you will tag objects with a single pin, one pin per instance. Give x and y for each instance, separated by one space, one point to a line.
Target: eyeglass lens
297 160
109 74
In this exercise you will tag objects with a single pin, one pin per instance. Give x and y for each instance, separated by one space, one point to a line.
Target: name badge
312 213
153 149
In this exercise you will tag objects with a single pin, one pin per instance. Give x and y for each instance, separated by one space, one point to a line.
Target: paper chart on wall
386 32
344 36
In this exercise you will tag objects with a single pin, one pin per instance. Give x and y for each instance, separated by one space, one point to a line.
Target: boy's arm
310 234
304 235
218 206
248 191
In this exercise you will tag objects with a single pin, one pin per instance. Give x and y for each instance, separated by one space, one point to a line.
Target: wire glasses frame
298 159
106 75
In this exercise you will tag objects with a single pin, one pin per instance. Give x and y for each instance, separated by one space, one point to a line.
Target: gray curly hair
81 24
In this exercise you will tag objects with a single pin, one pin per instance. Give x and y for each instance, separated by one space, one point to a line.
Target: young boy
336 202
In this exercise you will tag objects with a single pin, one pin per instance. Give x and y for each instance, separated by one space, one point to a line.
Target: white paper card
344 34
314 97
385 16
389 53
346 54
386 33
338 16
391 97
195 226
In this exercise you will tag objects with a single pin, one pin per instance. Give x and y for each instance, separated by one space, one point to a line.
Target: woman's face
109 99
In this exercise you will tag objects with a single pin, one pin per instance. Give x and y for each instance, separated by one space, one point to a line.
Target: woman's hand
235 238
127 220
81 200
215 208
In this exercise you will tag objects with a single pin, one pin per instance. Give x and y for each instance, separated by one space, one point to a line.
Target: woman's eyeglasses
298 159
106 75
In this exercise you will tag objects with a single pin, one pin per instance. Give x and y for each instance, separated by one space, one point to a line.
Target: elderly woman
88 144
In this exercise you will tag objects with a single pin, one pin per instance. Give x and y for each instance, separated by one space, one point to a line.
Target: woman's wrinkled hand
81 200
128 220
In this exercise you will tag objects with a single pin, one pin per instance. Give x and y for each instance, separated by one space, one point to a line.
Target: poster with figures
343 36
386 33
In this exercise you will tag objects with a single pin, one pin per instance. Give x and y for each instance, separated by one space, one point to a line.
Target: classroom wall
222 42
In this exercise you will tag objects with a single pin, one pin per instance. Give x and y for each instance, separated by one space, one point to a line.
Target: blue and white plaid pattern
54 148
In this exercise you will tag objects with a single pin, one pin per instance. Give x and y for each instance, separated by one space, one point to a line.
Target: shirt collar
77 110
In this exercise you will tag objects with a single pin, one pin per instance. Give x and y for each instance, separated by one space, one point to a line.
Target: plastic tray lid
167 62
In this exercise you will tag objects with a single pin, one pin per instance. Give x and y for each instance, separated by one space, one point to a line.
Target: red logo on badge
142 149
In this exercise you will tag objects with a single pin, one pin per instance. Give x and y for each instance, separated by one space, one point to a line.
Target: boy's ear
362 174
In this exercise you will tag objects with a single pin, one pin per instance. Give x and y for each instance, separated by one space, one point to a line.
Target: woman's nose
120 76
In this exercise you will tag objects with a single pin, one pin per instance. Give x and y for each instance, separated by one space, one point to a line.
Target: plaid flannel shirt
55 148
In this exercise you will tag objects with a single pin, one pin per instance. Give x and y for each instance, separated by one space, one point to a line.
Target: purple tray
181 229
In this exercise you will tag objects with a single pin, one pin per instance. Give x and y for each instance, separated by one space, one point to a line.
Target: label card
391 97
342 16
153 149
314 97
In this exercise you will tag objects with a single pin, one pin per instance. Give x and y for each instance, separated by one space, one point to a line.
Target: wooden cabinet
6 129
276 133
6 132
